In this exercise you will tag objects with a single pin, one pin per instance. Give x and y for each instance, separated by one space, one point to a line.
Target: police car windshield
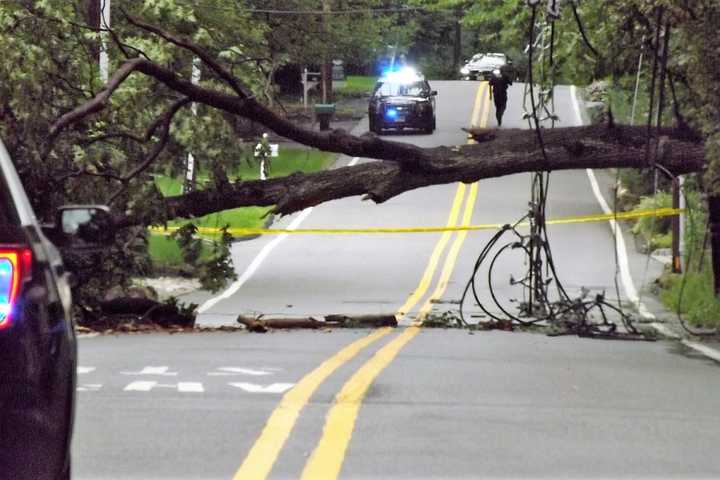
395 89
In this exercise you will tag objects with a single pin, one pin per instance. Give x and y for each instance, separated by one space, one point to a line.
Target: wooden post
675 228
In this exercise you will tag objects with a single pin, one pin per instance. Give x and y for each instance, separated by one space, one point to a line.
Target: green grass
289 160
164 251
358 85
699 305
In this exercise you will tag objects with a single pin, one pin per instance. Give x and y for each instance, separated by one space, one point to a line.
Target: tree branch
219 70
512 151
165 121
97 103
338 141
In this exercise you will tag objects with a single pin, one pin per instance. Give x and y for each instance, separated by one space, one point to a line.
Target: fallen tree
401 167
405 167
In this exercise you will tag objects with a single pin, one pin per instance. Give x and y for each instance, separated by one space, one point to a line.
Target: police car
37 340
402 99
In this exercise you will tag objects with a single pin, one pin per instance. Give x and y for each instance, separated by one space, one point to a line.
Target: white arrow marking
224 371
140 386
152 371
81 370
89 387
191 387
255 388
183 387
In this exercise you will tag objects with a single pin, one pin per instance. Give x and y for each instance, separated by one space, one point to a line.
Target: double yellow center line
327 458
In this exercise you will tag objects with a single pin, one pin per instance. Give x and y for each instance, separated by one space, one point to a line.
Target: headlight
465 70
391 113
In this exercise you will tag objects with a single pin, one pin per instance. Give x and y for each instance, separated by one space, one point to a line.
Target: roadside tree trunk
714 224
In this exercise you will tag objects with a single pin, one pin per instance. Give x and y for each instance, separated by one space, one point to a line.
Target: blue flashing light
387 71
403 74
391 113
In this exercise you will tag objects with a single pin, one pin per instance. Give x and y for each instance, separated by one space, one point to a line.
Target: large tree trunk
714 219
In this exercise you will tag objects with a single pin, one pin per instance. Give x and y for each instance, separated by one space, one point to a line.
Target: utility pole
457 47
104 25
326 69
675 226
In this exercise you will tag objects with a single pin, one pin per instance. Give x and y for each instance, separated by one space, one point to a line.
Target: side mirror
85 224
433 93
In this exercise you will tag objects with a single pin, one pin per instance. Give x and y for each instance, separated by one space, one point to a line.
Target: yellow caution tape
658 212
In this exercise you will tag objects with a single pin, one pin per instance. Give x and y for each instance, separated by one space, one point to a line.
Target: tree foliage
74 137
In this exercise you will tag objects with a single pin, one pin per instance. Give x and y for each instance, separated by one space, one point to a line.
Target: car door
37 343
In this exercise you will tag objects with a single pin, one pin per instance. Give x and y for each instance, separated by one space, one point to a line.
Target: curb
669 334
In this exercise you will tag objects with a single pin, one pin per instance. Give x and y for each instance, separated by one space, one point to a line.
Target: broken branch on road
261 324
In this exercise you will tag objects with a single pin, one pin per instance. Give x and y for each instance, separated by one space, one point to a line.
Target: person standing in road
499 83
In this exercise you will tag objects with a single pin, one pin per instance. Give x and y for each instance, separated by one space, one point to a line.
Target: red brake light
15 268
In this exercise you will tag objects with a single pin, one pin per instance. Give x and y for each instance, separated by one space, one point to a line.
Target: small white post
305 87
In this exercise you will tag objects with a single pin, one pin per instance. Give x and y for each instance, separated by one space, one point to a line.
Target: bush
695 297
655 231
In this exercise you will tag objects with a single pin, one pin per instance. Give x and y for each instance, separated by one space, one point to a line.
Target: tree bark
407 166
262 325
714 220
512 151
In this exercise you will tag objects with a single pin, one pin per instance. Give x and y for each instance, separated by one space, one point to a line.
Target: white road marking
704 349
623 263
224 371
89 387
82 370
255 264
255 388
260 258
153 371
182 387
664 330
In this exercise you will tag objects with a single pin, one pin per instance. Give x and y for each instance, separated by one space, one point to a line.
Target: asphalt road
408 403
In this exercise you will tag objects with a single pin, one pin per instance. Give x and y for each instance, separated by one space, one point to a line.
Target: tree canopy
72 135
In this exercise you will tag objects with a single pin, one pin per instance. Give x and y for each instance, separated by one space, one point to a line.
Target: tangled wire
584 315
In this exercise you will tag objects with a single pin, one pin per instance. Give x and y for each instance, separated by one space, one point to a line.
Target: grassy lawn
358 85
164 251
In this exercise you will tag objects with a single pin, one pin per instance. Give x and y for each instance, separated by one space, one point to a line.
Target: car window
402 89
9 220
8 216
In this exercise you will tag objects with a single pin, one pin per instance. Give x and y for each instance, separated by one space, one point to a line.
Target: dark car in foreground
481 65
37 339
401 100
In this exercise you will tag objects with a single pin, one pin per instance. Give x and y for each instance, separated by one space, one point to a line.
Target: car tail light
15 269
